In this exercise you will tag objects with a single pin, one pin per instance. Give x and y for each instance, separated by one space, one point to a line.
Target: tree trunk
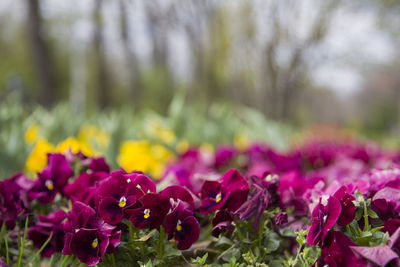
102 75
41 54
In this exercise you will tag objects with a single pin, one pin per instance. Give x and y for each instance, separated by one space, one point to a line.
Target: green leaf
272 242
372 214
223 241
288 232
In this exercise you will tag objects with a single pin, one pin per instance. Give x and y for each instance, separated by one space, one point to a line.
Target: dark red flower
336 252
151 212
222 223
84 187
52 179
228 193
13 199
181 224
323 219
87 236
119 193
224 155
41 231
348 207
281 218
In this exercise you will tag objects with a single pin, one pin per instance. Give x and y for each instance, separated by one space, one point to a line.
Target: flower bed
323 203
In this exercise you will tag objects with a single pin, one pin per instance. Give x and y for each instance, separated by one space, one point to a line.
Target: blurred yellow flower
32 134
182 146
241 142
90 134
143 156
75 145
157 130
37 160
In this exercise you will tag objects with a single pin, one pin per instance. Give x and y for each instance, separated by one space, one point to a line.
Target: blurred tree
100 67
131 60
41 53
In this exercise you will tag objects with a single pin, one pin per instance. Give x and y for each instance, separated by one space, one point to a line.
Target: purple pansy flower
176 192
224 155
13 199
222 223
386 203
151 212
84 187
46 225
281 218
181 223
119 193
98 165
87 236
52 179
348 207
215 194
335 252
323 219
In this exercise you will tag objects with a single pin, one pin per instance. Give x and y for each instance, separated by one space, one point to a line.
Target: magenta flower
280 218
84 187
323 219
386 203
87 236
224 155
336 252
13 199
119 193
255 205
98 165
52 179
151 212
46 225
214 197
181 224
177 192
230 193
88 245
222 223
348 207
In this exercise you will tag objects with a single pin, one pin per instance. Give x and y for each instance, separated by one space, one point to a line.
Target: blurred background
203 69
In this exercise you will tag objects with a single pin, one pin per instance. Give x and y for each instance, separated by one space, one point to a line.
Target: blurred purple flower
52 179
46 225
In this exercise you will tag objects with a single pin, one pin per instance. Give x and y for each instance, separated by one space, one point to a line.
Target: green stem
366 226
51 260
260 230
161 243
7 255
114 264
21 251
239 232
41 249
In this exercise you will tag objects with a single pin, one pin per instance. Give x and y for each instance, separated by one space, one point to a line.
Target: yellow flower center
146 213
122 202
95 243
218 198
179 226
49 185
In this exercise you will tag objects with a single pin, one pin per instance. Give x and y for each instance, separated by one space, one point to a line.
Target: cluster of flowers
322 181
338 188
